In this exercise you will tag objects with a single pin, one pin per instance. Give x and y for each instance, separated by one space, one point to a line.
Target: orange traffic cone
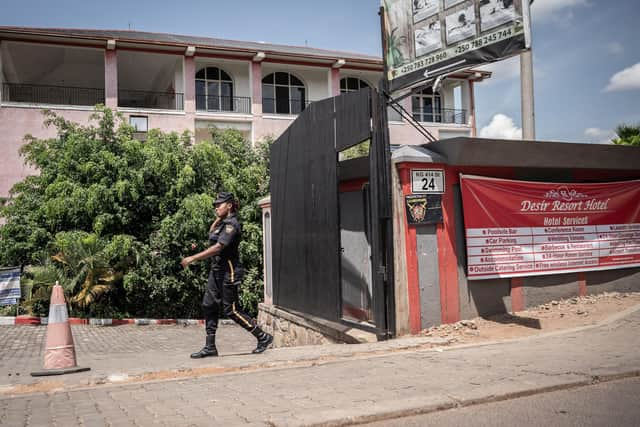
59 353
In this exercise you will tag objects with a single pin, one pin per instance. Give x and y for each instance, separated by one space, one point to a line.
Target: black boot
264 340
209 350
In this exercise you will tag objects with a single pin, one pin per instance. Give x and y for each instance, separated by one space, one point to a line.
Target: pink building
178 83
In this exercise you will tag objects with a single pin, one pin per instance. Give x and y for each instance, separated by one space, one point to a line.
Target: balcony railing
153 100
284 105
230 104
443 115
58 95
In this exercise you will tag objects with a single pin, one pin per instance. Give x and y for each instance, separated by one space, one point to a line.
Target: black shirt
228 234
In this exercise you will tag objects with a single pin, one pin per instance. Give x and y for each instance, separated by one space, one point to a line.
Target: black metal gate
305 207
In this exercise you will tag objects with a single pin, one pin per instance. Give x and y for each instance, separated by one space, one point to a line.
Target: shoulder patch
229 228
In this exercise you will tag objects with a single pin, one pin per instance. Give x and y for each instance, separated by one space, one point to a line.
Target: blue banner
9 286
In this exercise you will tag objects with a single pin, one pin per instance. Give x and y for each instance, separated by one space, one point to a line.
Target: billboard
428 38
521 228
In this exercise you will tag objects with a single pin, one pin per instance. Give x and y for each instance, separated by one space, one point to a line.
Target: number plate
427 181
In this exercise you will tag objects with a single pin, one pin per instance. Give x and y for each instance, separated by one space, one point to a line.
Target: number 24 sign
427 181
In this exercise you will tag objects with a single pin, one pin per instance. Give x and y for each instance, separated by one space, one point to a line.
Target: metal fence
231 104
441 115
153 100
58 95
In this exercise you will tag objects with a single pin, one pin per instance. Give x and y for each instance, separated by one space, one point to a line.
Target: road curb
41 321
453 403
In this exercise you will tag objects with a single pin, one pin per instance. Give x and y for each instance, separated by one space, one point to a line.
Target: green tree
627 135
117 214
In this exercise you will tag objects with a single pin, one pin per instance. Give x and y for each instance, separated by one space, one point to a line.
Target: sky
586 53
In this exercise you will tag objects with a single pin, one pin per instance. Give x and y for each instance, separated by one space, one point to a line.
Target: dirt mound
556 315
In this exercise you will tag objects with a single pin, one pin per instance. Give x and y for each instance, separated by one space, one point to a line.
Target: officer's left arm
227 234
207 253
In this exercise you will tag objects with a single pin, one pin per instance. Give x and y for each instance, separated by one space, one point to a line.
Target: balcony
223 104
284 105
55 95
442 115
152 100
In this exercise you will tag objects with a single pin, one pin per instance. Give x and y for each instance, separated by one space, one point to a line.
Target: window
427 106
283 93
352 84
140 123
214 90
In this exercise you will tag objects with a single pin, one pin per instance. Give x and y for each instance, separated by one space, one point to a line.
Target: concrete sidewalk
333 385
131 353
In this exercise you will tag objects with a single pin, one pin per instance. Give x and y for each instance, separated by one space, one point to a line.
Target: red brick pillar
411 247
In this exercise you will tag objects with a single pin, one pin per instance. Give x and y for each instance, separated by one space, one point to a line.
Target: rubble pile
535 317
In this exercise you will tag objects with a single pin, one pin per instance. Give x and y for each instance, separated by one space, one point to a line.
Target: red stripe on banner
613 260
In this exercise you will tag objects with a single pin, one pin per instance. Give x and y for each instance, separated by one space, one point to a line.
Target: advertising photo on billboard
428 38
460 24
496 12
425 8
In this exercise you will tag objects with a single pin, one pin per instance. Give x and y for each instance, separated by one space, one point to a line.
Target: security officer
225 276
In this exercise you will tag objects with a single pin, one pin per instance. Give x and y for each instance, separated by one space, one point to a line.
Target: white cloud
599 136
627 79
615 48
502 127
554 9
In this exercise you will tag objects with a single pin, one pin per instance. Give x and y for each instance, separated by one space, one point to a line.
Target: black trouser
221 296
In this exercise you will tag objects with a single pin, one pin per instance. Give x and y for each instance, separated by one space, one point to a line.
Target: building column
1 74
189 75
411 253
335 81
111 78
447 254
256 88
472 109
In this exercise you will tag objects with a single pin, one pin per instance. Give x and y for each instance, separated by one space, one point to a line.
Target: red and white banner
522 228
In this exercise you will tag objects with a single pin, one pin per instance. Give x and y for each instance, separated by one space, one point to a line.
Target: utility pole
526 80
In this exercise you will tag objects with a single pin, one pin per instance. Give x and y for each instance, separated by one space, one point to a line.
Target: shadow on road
510 319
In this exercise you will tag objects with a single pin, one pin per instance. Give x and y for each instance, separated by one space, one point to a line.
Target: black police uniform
225 277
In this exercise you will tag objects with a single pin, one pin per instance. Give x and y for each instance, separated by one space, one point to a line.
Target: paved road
608 404
332 390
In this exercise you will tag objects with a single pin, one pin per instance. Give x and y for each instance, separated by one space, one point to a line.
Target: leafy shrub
117 214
